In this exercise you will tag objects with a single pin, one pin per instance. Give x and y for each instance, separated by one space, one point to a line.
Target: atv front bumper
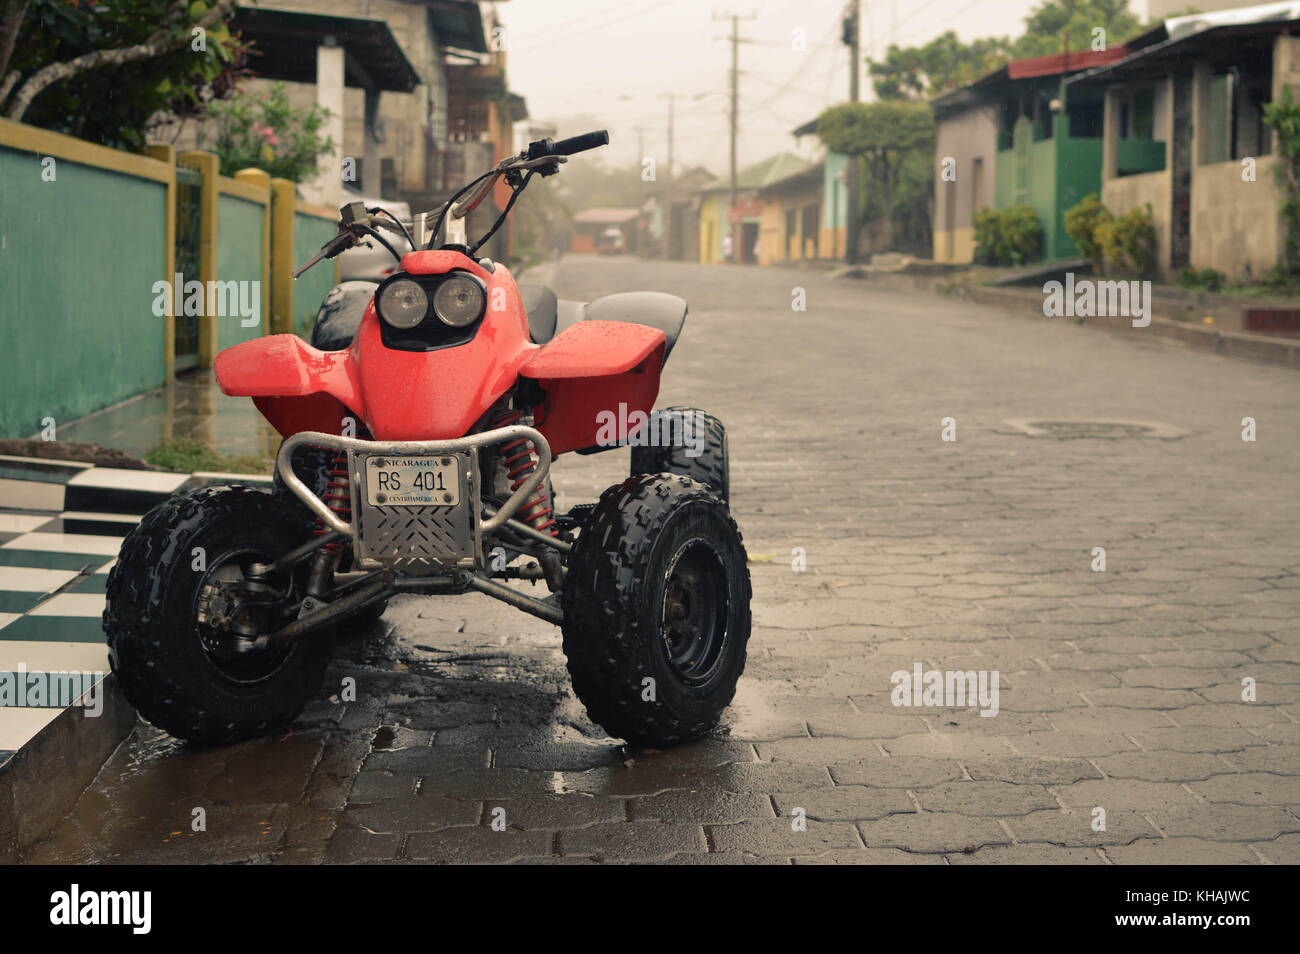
421 539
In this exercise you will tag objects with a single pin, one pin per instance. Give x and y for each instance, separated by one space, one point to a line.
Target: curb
41 782
1283 351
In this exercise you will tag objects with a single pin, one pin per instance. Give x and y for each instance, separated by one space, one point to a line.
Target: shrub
1210 279
1128 242
1283 117
1011 236
264 131
1081 225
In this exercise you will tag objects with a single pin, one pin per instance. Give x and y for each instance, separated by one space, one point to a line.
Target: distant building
418 98
1007 140
1184 133
718 218
672 215
589 224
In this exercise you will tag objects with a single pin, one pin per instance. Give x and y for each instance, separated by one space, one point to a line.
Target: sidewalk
1029 301
191 408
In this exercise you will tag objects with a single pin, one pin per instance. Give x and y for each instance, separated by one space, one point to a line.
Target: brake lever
328 251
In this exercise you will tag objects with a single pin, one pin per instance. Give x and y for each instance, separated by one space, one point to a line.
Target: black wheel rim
241 668
694 612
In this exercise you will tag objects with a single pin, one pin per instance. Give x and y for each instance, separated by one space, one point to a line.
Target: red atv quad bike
419 430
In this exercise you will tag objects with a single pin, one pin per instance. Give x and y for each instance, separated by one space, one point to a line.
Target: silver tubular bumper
354 447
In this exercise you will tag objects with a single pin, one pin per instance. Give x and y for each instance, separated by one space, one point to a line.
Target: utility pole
851 34
735 122
668 225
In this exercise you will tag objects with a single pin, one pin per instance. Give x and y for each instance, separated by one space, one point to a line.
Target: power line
657 6
959 10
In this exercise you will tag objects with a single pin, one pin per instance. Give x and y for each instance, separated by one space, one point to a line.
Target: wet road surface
1119 690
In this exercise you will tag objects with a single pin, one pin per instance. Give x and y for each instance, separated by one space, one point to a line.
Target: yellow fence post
209 167
262 179
282 264
167 153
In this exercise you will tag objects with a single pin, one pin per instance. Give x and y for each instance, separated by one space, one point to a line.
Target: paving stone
986 798
633 841
1250 788
702 807
412 813
938 832
555 812
1027 854
869 856
845 803
1227 822
1164 766
777 836
478 845
1123 793
902 771
1074 829
1284 850
1022 770
1180 851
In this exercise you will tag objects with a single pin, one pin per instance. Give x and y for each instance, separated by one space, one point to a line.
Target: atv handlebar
542 156
567 147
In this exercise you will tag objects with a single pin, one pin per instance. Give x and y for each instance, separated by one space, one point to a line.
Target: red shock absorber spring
337 496
520 462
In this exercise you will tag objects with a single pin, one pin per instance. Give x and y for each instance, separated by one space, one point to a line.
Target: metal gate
189 188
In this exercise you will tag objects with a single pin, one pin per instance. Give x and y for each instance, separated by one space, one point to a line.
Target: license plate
412 481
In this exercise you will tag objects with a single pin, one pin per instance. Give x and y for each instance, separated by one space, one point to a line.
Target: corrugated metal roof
762 173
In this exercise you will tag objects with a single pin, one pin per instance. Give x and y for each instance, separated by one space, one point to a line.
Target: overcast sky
613 59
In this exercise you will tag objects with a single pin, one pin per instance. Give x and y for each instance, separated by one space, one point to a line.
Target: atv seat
540 306
549 315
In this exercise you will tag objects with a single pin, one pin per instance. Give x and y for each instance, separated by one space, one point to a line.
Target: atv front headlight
403 304
459 301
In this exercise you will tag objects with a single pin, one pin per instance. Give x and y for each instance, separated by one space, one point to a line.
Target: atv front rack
357 449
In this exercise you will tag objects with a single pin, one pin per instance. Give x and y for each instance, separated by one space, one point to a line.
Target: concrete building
590 224
416 91
1011 138
718 217
1184 133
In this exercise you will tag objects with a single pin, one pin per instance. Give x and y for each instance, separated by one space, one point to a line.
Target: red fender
296 387
587 372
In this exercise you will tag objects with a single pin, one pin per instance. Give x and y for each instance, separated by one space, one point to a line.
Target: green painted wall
79 260
239 259
1141 155
835 194
1078 173
1051 175
310 232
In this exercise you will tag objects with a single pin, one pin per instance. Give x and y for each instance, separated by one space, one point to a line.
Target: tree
1048 24
105 70
923 72
882 136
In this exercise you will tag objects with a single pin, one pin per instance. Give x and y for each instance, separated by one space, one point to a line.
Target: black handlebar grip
574 144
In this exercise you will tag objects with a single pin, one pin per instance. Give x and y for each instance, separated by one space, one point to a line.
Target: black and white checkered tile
61 526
